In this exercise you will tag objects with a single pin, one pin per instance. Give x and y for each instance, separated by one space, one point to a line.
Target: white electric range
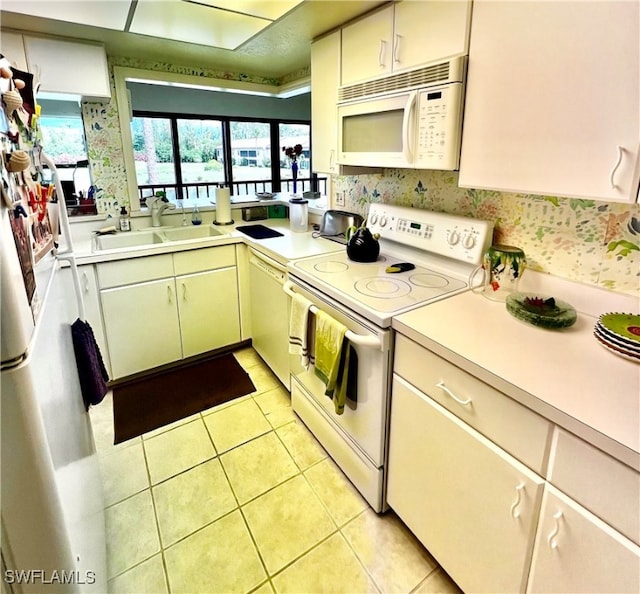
443 250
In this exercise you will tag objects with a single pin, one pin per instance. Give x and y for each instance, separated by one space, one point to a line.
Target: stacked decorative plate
619 333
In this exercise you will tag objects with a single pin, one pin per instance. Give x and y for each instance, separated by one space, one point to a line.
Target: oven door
364 422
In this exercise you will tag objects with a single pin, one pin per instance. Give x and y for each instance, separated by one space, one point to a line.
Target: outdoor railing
207 190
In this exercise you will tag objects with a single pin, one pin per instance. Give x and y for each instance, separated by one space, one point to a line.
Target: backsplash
591 242
583 240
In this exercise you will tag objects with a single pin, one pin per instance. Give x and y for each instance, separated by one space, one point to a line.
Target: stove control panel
461 238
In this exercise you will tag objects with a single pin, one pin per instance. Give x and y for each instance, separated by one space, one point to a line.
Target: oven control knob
453 238
383 221
374 218
469 241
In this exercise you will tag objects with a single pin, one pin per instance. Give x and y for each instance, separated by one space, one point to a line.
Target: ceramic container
502 267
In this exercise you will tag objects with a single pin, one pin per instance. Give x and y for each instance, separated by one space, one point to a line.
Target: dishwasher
270 307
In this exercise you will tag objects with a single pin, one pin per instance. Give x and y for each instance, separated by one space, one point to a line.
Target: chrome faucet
157 206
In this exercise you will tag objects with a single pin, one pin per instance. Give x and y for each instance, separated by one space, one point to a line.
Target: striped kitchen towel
299 328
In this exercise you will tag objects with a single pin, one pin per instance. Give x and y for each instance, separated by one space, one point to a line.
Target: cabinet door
577 552
473 506
209 311
429 31
141 325
325 80
552 99
12 47
93 313
69 66
367 47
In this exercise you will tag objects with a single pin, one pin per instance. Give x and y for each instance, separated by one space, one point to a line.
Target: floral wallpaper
583 240
592 242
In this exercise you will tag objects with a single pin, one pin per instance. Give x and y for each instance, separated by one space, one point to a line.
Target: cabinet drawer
518 430
605 486
136 270
205 259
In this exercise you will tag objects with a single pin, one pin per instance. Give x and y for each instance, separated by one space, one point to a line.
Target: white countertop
282 249
564 375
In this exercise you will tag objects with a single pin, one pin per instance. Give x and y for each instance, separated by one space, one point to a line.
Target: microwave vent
440 73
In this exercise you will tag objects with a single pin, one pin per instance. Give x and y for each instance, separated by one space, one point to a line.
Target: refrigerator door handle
67 254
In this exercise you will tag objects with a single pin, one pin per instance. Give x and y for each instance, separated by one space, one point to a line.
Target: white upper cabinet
552 100
402 36
12 48
325 80
366 47
69 67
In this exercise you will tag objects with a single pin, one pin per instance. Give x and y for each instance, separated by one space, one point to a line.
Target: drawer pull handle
458 400
515 512
184 292
169 294
86 282
551 540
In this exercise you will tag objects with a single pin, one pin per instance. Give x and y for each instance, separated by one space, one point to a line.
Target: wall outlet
339 198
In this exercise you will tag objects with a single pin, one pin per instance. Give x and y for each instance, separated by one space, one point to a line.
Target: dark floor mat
147 403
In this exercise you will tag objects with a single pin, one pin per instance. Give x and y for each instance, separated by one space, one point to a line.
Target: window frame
226 121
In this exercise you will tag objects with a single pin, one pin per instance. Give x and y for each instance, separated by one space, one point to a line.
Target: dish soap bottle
196 218
125 221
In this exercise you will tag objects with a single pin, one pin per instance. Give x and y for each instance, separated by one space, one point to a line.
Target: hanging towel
328 350
347 381
91 370
299 329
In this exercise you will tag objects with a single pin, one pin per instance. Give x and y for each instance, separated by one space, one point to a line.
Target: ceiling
269 38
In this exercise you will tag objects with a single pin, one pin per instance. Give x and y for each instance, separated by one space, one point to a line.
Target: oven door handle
357 339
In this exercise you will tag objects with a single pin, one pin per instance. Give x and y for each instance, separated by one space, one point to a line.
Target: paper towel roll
223 206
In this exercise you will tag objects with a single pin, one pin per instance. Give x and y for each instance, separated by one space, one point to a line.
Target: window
201 155
187 158
64 141
290 135
251 156
153 155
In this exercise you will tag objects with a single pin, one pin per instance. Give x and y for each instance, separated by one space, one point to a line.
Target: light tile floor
242 498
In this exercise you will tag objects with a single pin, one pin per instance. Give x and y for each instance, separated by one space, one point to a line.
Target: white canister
298 215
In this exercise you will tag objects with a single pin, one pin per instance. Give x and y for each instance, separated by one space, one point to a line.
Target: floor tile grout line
155 515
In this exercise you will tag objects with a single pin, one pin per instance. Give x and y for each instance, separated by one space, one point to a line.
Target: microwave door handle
407 128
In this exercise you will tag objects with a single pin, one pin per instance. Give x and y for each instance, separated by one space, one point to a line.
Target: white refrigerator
52 502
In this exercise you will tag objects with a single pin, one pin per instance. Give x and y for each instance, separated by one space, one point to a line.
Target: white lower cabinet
577 552
93 313
472 505
208 310
142 328
164 308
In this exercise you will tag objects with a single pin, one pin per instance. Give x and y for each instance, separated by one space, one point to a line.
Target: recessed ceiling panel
194 23
271 9
108 14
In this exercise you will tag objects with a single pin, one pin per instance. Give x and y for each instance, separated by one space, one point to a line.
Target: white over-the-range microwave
407 120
